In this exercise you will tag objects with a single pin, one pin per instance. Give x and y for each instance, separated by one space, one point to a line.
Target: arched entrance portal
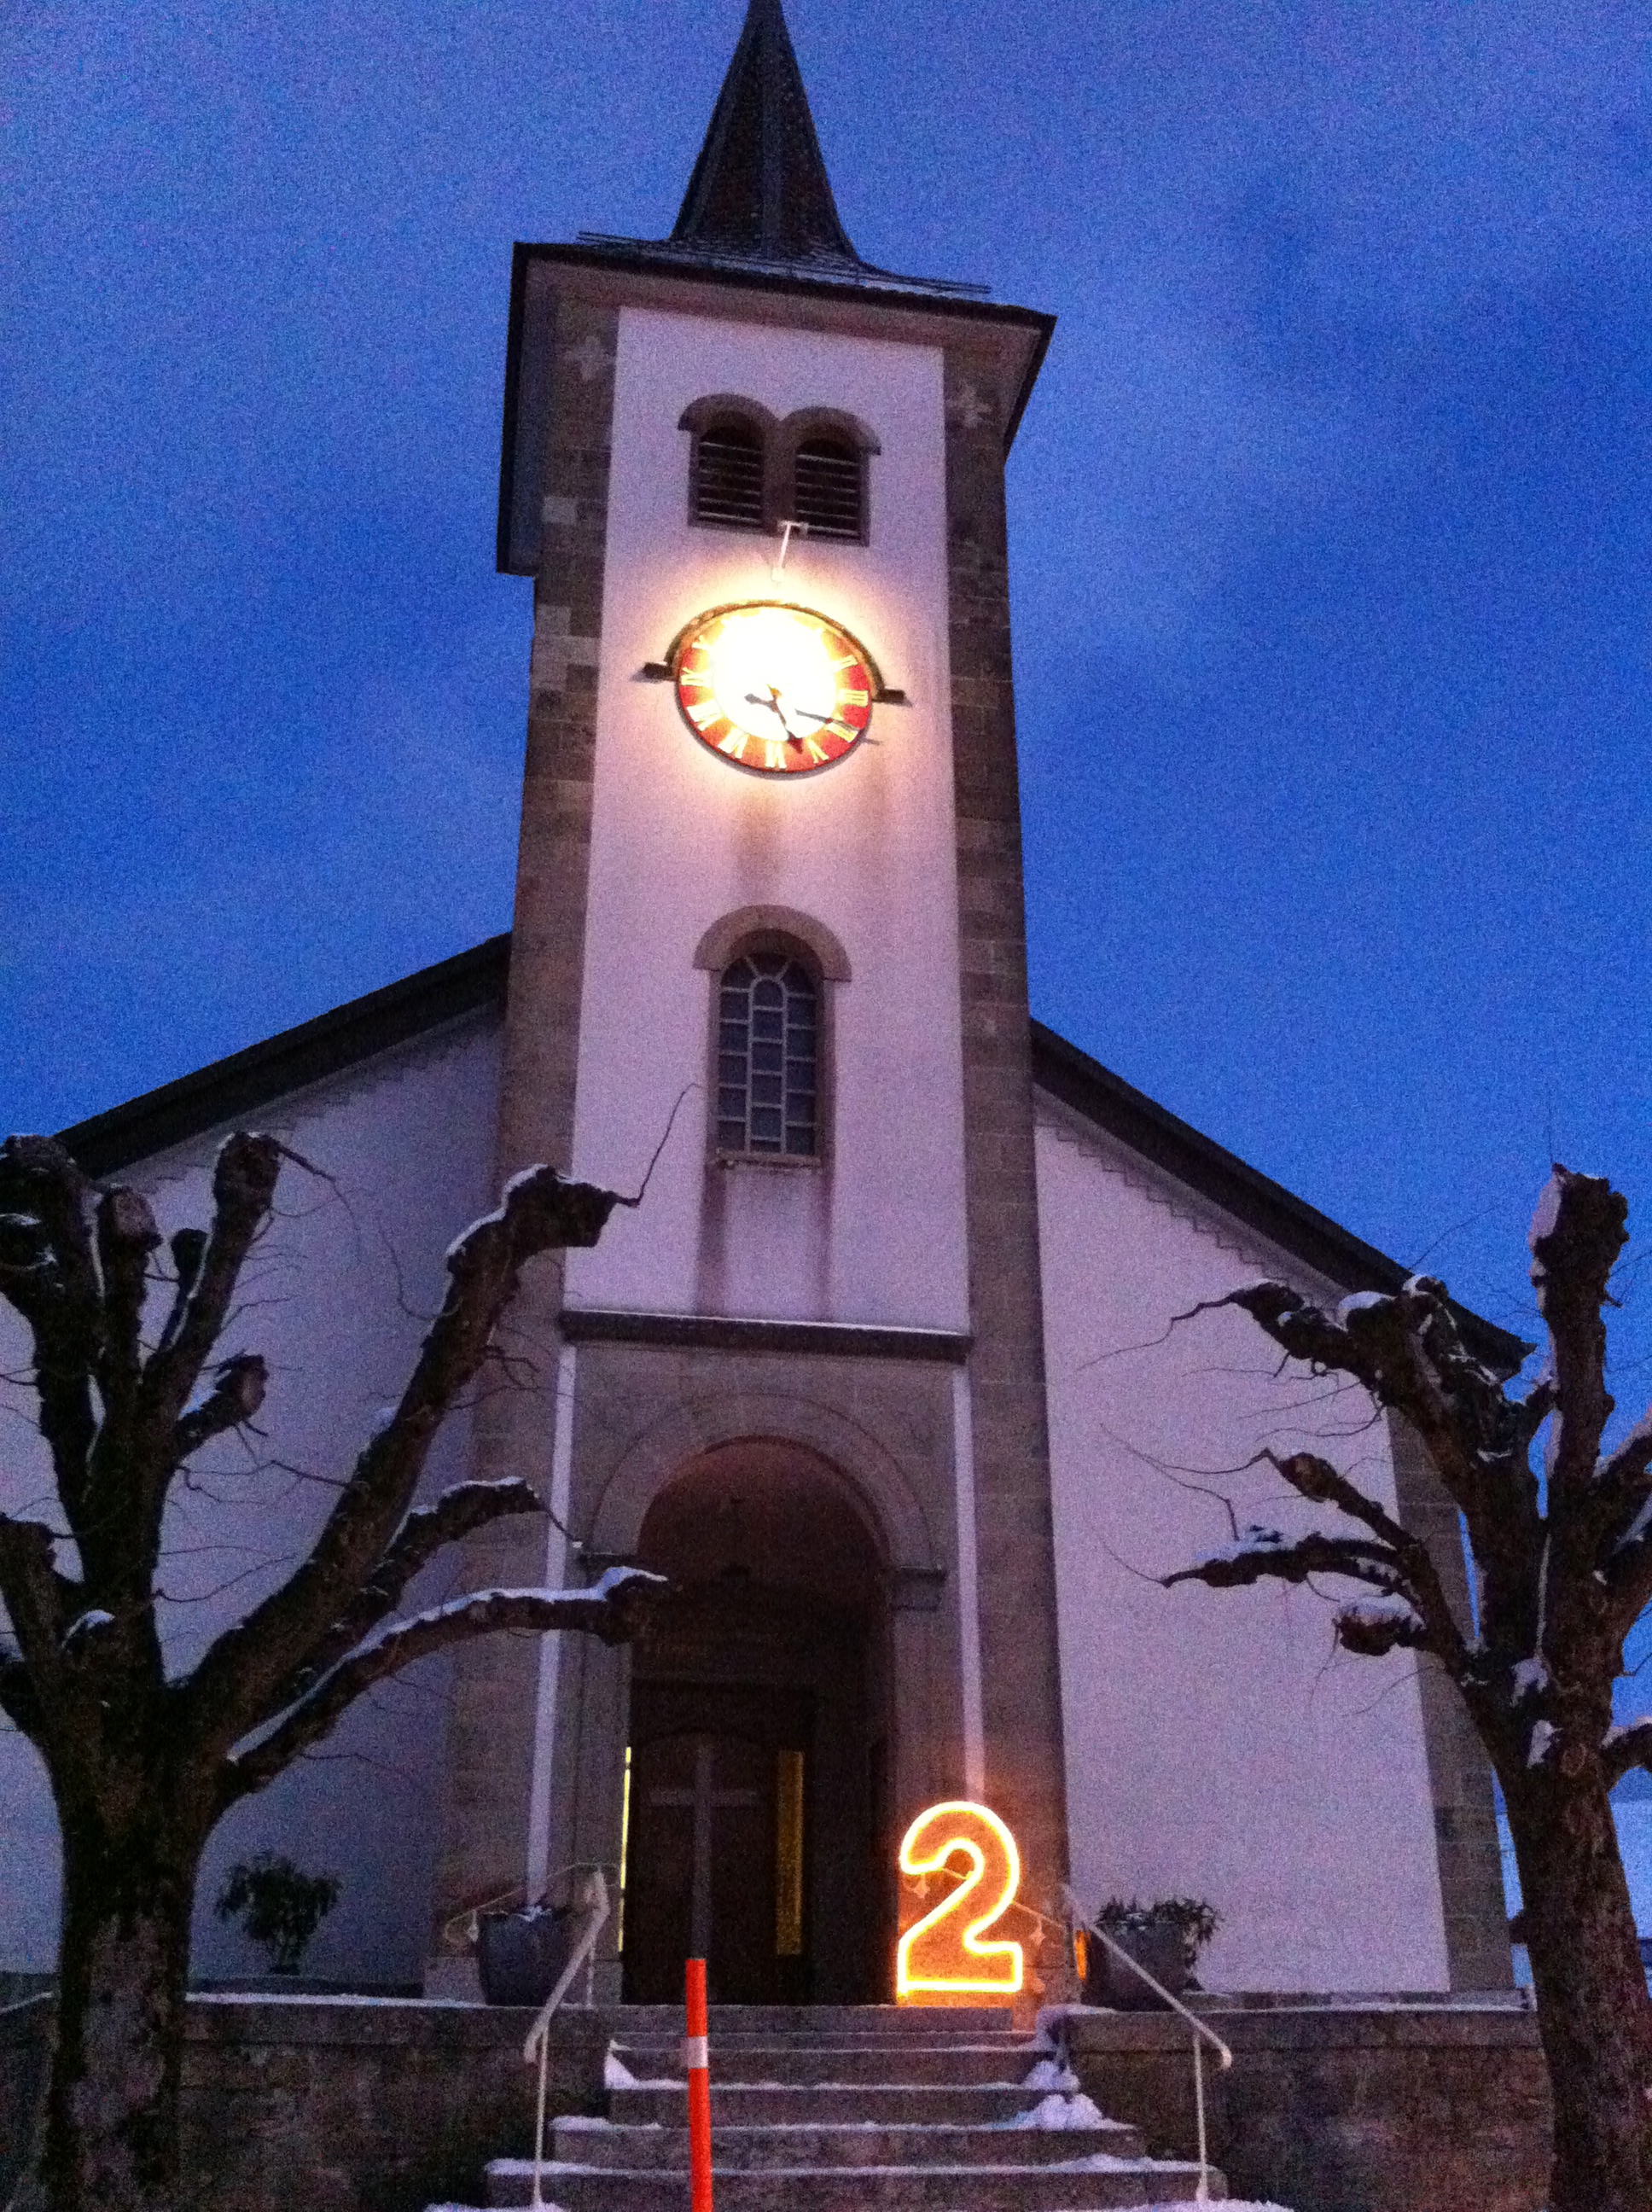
758 1780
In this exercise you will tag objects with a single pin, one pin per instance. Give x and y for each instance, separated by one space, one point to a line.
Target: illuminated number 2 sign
944 1955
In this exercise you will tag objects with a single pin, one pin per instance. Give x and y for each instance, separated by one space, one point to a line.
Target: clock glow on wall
774 688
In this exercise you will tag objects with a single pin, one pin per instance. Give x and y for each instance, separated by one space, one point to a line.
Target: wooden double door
718 1842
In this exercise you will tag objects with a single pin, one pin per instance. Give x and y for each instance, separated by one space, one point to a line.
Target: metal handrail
465 1926
538 2045
1079 1919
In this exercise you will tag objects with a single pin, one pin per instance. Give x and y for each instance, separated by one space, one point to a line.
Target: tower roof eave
649 274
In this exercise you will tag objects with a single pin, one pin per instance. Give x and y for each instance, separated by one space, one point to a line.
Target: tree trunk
111 2108
1594 2013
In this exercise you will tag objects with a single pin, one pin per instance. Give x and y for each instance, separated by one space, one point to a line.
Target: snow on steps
848 2109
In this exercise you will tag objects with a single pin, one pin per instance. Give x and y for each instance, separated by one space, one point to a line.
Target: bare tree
1563 1561
143 1764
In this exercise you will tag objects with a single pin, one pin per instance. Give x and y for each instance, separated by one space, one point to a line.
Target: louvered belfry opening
767 1057
828 488
728 475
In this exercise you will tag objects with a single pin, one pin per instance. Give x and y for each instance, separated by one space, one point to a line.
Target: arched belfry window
768 1056
731 463
728 476
829 493
749 470
825 456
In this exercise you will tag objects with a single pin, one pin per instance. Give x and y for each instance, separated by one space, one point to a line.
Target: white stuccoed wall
408 1139
1216 1744
681 839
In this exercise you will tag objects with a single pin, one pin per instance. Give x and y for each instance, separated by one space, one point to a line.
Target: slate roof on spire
760 197
760 187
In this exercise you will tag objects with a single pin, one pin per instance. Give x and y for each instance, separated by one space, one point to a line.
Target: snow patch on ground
617 2075
1051 2074
1058 2111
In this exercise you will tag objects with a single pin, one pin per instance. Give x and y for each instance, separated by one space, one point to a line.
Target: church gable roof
247 1082
1242 1192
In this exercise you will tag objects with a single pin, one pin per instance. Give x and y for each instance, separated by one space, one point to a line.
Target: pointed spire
760 198
760 191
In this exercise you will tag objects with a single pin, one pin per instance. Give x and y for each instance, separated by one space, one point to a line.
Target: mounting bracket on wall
789 530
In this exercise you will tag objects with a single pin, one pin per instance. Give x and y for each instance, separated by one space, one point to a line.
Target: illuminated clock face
773 688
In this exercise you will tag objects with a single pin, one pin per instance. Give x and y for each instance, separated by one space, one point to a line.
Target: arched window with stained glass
768 1057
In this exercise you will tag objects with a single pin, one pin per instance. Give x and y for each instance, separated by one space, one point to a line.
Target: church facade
883 1372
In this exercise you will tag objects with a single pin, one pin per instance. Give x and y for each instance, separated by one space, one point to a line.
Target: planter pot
1161 1950
521 1955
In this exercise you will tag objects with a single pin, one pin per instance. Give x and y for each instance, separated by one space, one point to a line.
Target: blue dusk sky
1332 523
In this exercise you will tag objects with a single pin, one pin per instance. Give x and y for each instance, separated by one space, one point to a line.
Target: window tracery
768 1057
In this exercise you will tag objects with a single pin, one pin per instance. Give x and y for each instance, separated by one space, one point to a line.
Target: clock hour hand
772 701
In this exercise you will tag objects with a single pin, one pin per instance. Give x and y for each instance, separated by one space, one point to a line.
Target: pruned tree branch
1264 1554
613 1611
126 1235
47 1274
235 1682
1321 1484
188 1250
457 1514
1407 1349
236 1395
35 1595
1374 1628
1577 1233
1624 1749
243 1185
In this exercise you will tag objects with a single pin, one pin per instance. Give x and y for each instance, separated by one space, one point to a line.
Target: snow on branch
1262 1555
1374 1626
457 1513
1578 1231
1623 1749
237 1393
1407 1349
613 1611
243 1676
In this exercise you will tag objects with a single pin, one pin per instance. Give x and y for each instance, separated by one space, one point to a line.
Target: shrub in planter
521 1955
1166 1937
280 1907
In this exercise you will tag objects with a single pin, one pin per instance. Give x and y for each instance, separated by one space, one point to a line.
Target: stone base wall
343 2105
1340 2105
340 2105
25 2032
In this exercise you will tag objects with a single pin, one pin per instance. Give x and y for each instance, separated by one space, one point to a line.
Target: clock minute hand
803 714
772 701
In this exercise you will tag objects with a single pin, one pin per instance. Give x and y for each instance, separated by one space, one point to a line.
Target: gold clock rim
679 643
684 638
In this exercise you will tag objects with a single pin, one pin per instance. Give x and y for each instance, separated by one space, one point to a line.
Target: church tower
770 900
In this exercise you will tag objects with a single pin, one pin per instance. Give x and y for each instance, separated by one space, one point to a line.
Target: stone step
812 2059
642 2021
752 2149
843 2104
1085 2186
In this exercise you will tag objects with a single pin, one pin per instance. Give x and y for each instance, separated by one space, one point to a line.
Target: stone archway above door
848 1454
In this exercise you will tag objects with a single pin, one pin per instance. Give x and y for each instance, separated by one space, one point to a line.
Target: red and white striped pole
696 2061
